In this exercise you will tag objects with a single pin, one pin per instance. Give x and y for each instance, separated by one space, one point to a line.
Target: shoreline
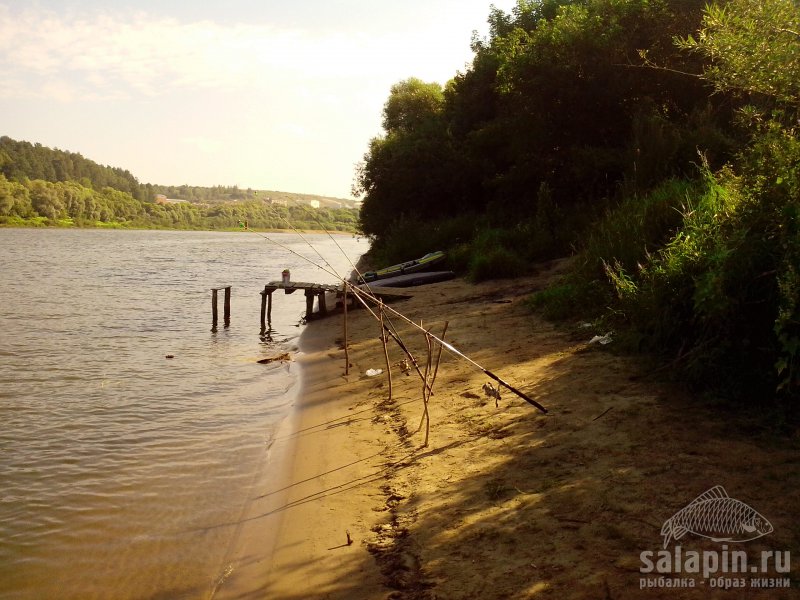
289 542
504 502
122 227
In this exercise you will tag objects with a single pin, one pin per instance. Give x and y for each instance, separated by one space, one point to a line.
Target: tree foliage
753 47
411 104
551 98
70 203
657 137
20 159
39 185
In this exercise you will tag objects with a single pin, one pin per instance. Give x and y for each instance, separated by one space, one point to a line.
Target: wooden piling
226 310
266 308
263 311
214 309
323 306
309 304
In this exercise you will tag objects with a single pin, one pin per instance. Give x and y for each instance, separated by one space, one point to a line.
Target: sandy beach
504 502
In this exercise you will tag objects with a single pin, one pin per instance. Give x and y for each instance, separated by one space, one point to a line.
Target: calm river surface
118 465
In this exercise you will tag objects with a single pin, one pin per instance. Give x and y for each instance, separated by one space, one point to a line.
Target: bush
570 297
705 275
496 263
410 238
637 227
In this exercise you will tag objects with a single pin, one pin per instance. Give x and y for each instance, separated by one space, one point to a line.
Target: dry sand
504 502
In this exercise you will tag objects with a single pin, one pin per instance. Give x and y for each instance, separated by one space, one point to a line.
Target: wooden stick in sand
427 388
346 351
386 353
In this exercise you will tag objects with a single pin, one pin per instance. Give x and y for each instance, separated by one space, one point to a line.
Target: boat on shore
412 266
411 279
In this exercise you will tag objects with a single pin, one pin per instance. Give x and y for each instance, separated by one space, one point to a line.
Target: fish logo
717 516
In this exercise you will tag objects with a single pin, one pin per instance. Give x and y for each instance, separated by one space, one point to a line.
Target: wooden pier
311 291
226 306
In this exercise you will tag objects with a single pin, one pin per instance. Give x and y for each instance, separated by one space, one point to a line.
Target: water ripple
117 464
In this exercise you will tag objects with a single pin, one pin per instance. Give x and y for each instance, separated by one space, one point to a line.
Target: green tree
46 200
6 196
753 46
411 104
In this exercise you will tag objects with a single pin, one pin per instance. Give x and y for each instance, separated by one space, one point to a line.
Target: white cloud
204 144
141 54
295 130
196 101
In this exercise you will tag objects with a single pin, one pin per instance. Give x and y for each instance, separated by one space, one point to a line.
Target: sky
263 94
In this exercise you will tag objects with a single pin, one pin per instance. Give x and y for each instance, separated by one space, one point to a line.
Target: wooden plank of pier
311 290
316 290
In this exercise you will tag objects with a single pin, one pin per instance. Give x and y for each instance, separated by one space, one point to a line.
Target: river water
123 472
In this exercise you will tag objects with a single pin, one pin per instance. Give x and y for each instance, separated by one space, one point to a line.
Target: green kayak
412 266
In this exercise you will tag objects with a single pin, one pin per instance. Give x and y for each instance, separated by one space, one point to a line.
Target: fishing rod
457 352
359 292
392 332
435 338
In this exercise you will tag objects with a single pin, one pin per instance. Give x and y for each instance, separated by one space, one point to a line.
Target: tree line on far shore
658 141
40 186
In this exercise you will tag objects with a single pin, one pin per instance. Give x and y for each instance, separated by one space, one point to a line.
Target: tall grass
705 274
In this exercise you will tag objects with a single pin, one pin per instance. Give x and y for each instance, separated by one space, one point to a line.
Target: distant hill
21 159
40 186
222 194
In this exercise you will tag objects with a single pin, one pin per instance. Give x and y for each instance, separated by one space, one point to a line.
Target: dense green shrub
495 262
705 274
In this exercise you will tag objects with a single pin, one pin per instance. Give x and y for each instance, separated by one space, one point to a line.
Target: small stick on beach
386 353
426 389
346 351
602 414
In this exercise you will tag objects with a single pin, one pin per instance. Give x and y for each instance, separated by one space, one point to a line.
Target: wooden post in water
309 304
214 309
266 308
323 307
227 306
263 310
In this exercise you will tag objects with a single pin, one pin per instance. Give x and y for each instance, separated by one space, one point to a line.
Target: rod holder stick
346 350
439 354
386 354
452 349
427 389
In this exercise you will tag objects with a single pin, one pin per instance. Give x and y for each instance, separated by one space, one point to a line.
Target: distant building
313 203
162 199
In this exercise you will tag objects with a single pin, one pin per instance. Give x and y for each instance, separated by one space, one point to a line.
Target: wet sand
504 502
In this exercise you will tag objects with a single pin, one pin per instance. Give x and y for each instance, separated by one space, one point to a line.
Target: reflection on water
117 465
